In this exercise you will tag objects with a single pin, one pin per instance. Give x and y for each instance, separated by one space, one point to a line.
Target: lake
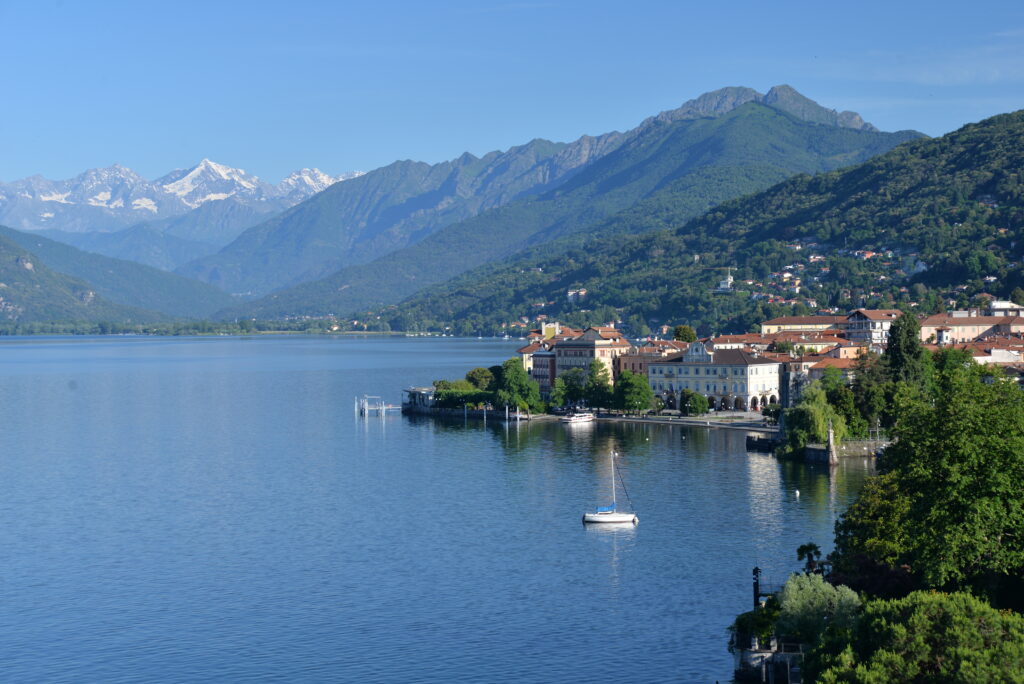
196 509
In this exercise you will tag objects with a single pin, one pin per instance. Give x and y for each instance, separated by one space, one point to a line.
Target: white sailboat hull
610 517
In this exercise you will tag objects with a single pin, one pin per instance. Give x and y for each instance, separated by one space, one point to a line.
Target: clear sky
274 86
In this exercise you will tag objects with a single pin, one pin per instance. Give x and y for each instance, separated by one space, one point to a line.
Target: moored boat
611 514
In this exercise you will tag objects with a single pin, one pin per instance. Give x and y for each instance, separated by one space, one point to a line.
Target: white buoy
798 493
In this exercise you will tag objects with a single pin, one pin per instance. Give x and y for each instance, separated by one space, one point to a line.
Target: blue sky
275 86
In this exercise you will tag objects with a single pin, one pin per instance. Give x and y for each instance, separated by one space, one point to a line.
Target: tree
925 637
633 392
870 389
558 392
810 419
692 404
1017 296
783 346
481 378
810 552
960 460
872 541
808 605
598 389
574 380
684 333
842 400
905 359
516 388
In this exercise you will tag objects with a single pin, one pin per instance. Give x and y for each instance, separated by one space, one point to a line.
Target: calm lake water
211 510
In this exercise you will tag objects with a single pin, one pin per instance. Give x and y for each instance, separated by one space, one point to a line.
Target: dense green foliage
926 637
692 403
808 605
808 422
935 214
684 333
633 393
124 282
663 174
515 388
598 390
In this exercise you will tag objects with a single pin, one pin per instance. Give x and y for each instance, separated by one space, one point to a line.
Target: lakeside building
744 372
637 359
728 378
957 327
870 325
600 343
801 324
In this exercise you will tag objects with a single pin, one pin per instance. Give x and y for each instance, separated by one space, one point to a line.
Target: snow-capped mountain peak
115 197
208 181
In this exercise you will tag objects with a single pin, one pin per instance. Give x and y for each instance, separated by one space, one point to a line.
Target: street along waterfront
212 508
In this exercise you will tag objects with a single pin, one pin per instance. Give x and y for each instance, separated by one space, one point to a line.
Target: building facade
730 379
602 344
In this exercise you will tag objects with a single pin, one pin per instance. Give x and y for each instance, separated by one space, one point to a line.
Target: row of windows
737 387
711 370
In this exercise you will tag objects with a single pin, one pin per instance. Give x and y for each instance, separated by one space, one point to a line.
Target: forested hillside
123 282
32 292
930 223
675 169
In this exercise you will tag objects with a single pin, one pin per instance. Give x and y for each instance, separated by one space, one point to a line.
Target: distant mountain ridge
940 215
115 197
399 205
387 209
782 97
672 172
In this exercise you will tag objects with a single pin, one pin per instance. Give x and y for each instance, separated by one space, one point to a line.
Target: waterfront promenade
748 421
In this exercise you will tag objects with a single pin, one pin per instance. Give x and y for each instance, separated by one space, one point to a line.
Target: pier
370 405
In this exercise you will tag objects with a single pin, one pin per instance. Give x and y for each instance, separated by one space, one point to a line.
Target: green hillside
32 292
684 167
123 282
933 221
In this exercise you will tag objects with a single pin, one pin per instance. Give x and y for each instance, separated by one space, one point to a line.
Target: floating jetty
369 405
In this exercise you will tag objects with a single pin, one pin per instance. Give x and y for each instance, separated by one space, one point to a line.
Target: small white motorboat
611 514
579 417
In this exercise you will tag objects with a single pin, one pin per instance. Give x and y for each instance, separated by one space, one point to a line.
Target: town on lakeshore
933 537
750 372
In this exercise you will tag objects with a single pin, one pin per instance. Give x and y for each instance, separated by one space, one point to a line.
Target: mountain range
712 149
929 221
115 197
402 204
387 234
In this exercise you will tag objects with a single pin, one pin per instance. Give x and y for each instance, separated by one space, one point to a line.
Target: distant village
750 371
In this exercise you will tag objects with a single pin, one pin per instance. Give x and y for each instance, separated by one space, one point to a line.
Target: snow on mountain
115 197
208 181
307 182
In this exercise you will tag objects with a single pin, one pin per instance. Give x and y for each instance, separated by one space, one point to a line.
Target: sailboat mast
614 505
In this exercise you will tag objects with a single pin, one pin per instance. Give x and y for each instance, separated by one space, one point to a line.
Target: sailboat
611 514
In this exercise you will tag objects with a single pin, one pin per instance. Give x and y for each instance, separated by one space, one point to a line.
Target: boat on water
612 514
579 417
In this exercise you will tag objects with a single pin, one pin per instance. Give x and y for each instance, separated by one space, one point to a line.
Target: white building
729 378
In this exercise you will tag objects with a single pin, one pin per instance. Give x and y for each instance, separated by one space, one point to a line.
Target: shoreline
746 426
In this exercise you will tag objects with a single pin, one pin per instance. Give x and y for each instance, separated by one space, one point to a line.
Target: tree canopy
925 637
